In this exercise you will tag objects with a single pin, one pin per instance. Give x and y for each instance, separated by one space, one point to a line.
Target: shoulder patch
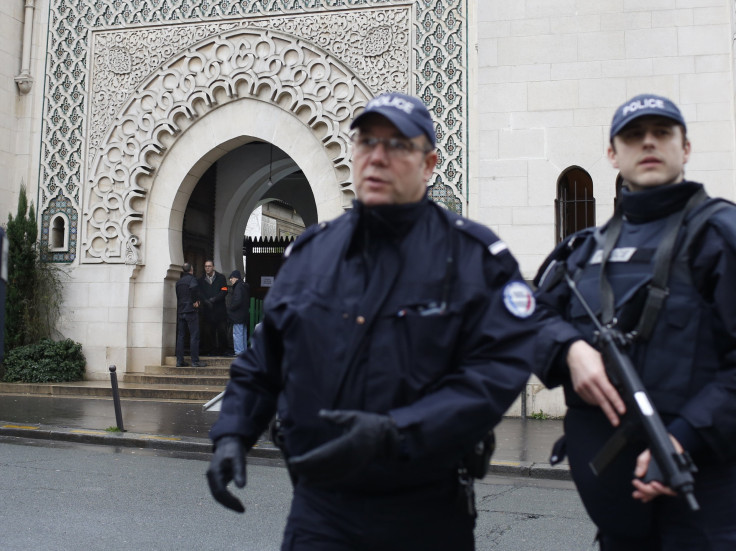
519 299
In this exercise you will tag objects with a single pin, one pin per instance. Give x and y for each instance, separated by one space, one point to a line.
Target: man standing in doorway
394 339
238 310
187 302
213 290
661 275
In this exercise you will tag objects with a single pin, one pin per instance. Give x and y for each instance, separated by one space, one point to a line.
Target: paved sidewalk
522 445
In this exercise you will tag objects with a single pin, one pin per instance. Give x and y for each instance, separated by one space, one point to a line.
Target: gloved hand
368 436
228 463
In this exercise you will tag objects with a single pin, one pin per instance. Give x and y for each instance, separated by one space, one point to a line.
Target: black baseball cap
406 113
645 104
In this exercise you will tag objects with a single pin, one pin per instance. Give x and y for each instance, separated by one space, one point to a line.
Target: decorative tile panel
368 37
56 205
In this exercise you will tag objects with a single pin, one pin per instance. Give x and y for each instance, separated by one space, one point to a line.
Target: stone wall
19 113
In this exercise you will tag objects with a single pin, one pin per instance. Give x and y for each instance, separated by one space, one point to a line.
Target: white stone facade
133 100
20 114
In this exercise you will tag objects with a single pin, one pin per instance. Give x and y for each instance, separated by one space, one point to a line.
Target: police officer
662 271
187 302
394 339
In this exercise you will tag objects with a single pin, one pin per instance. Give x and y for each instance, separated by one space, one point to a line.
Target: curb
530 470
263 449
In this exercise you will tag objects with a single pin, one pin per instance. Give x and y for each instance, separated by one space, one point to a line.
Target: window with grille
575 204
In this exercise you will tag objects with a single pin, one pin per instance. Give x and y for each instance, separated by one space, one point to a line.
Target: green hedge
45 362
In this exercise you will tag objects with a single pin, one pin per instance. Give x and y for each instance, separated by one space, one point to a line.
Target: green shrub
34 290
45 362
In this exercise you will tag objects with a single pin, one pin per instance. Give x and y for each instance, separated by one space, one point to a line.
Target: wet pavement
522 445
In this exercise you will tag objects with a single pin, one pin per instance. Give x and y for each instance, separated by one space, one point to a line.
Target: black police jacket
688 365
215 291
187 293
407 310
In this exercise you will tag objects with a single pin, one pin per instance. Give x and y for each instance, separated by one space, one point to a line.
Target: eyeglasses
395 147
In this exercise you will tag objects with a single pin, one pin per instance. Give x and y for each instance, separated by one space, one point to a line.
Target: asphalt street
59 495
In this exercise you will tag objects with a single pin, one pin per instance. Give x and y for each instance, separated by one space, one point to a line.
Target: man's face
209 268
385 177
650 151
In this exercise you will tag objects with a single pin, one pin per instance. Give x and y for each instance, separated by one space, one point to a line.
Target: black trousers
433 518
187 321
666 523
214 335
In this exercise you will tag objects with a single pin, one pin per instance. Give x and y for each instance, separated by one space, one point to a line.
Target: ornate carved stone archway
270 66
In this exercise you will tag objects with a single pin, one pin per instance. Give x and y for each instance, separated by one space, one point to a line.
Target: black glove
368 436
228 463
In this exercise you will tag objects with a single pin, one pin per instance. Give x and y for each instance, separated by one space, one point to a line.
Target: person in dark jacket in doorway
187 302
394 339
661 272
238 310
213 290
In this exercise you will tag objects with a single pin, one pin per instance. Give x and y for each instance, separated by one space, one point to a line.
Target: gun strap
613 232
657 290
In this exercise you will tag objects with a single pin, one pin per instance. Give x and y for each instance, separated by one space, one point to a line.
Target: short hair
186 268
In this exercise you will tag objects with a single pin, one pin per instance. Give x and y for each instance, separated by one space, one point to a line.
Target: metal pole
116 398
523 402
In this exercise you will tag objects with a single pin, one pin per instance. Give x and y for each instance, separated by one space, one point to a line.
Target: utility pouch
276 433
477 461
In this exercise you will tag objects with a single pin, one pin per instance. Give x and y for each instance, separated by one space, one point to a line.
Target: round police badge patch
518 299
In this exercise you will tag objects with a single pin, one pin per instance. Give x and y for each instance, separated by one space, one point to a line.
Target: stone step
175 379
194 393
216 371
211 361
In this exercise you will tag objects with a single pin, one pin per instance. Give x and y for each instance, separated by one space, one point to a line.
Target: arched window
59 233
575 204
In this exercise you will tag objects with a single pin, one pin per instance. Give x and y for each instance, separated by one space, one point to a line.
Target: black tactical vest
680 355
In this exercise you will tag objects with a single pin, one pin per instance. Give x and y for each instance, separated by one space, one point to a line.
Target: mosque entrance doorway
255 190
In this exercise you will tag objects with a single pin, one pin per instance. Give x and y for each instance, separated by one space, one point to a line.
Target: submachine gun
673 468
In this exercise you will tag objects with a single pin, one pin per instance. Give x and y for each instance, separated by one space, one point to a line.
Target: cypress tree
21 316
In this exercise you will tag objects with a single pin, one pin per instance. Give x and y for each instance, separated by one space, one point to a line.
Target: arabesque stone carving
241 63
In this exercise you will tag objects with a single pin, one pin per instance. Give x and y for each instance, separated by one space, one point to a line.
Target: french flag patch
518 299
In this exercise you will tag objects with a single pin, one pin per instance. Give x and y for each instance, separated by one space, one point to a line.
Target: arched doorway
182 119
242 124
227 193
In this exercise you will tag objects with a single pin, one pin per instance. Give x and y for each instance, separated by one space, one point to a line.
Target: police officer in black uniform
662 271
187 303
394 339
